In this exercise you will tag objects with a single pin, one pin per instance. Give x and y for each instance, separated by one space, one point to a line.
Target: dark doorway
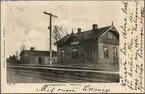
40 60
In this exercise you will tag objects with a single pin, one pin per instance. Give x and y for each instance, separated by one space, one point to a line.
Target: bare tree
23 47
58 33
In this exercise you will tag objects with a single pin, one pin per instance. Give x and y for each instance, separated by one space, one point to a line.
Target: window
89 52
115 54
110 36
62 54
106 52
115 51
75 53
75 41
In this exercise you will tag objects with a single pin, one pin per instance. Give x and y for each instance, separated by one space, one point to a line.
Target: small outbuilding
37 57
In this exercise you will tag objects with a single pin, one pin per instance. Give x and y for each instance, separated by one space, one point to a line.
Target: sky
25 23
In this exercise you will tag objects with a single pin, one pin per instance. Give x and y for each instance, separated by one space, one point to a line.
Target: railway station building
95 48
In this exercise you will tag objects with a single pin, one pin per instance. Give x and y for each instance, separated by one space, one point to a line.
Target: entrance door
41 60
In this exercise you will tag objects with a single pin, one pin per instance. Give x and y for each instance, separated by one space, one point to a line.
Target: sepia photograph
72 53
73 42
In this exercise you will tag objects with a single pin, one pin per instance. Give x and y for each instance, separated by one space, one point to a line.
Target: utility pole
50 28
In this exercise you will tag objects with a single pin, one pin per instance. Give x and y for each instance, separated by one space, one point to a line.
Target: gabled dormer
110 36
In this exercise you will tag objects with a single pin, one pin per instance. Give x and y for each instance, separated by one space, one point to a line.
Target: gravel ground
14 77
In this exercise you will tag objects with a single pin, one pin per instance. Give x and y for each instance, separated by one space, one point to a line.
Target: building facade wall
35 59
82 53
110 58
24 60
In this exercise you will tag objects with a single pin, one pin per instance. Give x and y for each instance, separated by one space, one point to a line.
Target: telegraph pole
50 28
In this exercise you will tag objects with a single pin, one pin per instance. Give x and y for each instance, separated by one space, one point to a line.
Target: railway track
64 69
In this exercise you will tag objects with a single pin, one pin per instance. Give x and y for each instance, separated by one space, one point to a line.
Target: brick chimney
79 30
94 26
32 48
